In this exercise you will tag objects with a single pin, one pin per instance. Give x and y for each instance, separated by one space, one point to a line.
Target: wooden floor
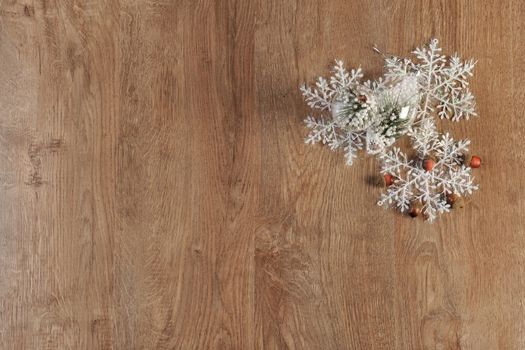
155 192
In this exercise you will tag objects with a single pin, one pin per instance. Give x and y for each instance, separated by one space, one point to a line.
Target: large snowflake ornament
430 188
443 81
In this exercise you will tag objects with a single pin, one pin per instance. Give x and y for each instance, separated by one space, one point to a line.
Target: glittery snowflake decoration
355 115
429 186
442 81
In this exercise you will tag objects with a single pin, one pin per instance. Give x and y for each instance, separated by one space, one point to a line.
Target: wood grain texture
155 192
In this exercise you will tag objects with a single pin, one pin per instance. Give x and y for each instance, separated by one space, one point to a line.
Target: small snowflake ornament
425 182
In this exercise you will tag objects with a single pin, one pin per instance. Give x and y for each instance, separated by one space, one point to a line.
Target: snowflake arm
342 79
396 67
322 96
449 151
319 97
321 130
456 105
458 181
375 85
352 142
423 137
327 132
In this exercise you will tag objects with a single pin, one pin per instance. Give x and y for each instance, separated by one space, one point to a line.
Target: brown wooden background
155 192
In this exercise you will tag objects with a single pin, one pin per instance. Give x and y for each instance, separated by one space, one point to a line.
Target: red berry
452 198
475 162
414 210
389 179
428 164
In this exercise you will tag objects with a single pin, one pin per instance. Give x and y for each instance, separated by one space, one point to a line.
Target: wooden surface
155 192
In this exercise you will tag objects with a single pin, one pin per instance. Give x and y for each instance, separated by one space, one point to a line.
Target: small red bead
452 198
428 164
414 211
389 179
475 162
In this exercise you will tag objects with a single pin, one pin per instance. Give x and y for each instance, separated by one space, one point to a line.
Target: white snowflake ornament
443 81
414 185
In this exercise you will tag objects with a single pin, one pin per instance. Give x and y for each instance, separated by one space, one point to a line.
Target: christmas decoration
442 82
371 115
429 186
452 198
389 179
475 162
428 164
415 210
